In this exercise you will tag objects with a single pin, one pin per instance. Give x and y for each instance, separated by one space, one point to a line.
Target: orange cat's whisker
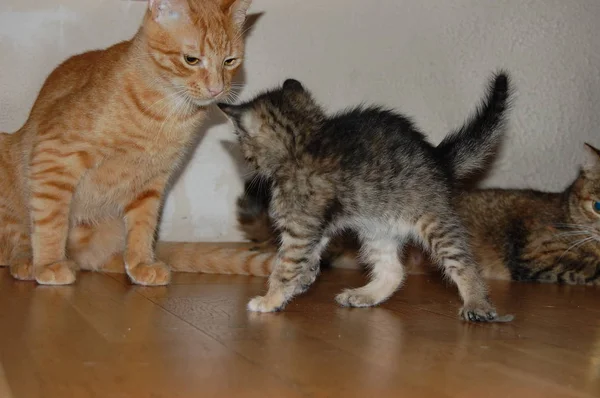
167 98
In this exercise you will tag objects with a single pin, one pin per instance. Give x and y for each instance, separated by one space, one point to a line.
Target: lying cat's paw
155 274
22 269
59 273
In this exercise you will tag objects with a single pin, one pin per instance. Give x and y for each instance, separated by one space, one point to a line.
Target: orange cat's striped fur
83 180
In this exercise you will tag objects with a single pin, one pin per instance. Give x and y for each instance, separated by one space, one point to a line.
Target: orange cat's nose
216 90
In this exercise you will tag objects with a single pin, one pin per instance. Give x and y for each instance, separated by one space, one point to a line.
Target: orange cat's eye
229 61
191 60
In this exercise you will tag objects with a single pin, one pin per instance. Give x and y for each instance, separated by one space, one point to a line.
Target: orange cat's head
195 46
584 198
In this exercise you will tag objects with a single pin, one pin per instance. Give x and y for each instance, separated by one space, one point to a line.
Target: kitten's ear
232 111
164 11
293 85
237 10
591 164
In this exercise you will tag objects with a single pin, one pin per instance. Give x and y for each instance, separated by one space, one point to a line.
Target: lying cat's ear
293 85
591 164
237 10
164 11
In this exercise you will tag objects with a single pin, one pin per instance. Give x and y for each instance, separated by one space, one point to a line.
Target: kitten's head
273 127
195 46
584 198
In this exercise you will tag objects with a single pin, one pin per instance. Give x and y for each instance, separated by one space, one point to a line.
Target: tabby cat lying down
523 235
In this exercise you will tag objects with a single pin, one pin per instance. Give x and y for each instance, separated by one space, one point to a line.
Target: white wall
428 58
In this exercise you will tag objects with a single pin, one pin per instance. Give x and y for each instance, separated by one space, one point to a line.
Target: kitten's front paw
155 274
355 298
482 312
265 304
22 269
59 273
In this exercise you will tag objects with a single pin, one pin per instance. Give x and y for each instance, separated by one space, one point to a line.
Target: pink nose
216 90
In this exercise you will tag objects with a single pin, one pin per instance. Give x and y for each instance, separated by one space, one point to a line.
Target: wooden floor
106 338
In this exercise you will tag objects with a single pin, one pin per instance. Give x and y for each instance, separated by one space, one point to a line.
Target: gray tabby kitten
371 171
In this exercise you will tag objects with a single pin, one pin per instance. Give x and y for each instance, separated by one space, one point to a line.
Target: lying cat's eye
229 61
191 60
596 206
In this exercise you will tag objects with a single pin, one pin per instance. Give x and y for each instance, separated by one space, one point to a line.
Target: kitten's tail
468 150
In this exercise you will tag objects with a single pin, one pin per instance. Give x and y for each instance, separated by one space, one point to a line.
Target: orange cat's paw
22 269
155 274
59 273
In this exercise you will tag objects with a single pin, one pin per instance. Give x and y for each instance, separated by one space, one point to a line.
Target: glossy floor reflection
105 338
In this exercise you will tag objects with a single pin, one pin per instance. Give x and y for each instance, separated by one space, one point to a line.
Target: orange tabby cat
83 180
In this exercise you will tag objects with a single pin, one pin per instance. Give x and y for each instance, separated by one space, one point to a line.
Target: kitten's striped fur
371 171
84 178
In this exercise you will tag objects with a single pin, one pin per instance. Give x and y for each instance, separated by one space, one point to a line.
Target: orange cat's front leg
141 217
53 176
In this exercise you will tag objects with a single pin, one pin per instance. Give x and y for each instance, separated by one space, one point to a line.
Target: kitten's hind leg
296 269
446 239
387 274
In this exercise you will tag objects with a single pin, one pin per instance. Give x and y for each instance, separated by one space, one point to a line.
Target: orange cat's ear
591 164
237 10
163 11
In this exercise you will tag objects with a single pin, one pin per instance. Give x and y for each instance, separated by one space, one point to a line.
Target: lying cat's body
371 171
527 235
83 180
521 235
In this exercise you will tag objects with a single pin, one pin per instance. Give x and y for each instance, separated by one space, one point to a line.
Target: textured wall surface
427 58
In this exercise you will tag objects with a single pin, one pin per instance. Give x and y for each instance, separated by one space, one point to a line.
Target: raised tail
468 150
218 257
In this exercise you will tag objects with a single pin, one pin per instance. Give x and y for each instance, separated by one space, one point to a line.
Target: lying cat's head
273 127
195 46
584 193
